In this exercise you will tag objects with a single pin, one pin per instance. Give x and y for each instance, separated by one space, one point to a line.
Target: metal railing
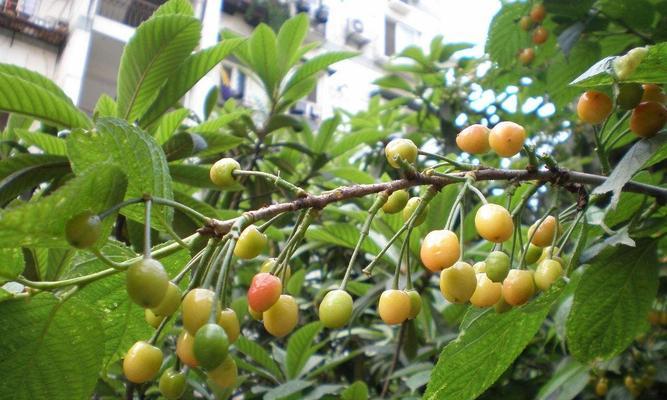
128 12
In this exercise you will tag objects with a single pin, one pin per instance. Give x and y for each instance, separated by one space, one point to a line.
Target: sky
467 21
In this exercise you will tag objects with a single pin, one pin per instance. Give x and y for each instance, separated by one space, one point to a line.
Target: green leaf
181 145
171 7
26 171
297 92
105 107
356 391
505 39
414 53
317 64
50 349
27 98
169 123
299 348
115 142
50 144
154 52
11 264
290 37
286 389
351 174
280 121
562 70
326 133
35 224
186 76
475 360
192 175
632 161
340 234
216 124
35 78
393 82
258 354
350 141
567 382
264 56
612 300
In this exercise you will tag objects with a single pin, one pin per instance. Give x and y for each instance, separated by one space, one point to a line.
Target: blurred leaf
290 37
264 56
258 354
286 389
393 82
299 348
325 133
11 264
570 378
26 171
169 124
105 107
316 64
568 38
50 144
356 391
505 39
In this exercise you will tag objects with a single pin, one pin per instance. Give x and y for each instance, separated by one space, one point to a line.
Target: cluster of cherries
646 101
531 22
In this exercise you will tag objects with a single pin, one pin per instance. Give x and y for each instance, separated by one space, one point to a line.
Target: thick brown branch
559 177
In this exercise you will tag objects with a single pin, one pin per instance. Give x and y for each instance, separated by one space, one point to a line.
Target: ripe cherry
197 308
251 242
474 139
152 319
497 266
533 254
544 232
415 303
142 362
282 317
537 13
394 306
440 249
628 95
336 309
83 230
507 138
494 223
264 291
526 56
648 118
172 384
170 302
396 202
411 207
458 282
518 287
230 323
270 262
401 149
224 376
221 173
594 107
653 93
487 293
547 273
540 35
211 345
147 282
185 349
525 23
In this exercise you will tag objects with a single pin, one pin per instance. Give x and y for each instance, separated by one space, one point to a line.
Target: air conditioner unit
355 33
401 7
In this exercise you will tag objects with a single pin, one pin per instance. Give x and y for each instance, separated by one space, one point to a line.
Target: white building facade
78 43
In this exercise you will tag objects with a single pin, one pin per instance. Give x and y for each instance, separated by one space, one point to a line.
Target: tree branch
561 177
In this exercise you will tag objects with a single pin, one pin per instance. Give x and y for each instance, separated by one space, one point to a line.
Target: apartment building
78 43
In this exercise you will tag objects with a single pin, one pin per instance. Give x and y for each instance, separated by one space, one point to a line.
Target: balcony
128 12
17 18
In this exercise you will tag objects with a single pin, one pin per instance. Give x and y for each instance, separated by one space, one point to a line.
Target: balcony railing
129 12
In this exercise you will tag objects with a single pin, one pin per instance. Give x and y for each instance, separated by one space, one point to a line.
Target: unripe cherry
440 249
401 149
197 308
410 209
494 223
415 303
394 306
250 244
544 233
526 56
142 362
221 173
224 376
487 292
185 349
230 323
336 309
458 282
548 272
282 317
396 202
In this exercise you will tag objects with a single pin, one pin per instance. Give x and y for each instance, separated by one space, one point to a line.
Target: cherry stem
569 232
459 165
454 211
522 261
147 229
380 200
478 193
182 208
270 222
170 231
461 207
215 260
599 149
223 274
120 205
613 129
276 180
109 262
188 266
397 270
291 246
428 196
408 284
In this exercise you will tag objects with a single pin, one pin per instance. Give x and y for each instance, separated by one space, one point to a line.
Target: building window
389 37
399 36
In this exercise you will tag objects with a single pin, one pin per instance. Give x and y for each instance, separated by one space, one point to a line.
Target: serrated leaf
181 145
393 82
35 224
316 64
264 56
475 360
25 171
340 234
50 144
105 107
326 133
562 70
169 123
632 161
290 37
38 336
175 7
286 389
193 68
11 264
216 124
299 348
356 391
612 300
258 354
157 48
115 142
35 78
27 98
350 141
505 39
